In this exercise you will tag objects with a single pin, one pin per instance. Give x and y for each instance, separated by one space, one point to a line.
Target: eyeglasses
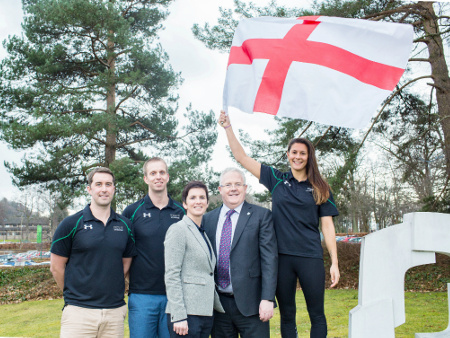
235 185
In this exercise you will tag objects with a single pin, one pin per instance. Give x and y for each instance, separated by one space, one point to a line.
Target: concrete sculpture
386 255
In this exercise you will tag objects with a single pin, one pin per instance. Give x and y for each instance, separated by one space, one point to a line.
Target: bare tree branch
125 98
419 59
323 135
304 130
385 104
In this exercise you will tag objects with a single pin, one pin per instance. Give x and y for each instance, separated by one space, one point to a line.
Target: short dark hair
192 185
153 159
100 170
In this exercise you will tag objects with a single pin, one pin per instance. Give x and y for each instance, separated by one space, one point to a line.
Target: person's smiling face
156 176
232 189
196 202
298 156
101 189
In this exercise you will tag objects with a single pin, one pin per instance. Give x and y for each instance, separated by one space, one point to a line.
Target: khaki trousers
80 322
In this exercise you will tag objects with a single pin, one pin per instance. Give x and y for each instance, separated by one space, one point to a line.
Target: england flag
334 71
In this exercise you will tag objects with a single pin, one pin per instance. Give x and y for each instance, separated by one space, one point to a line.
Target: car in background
347 238
355 240
6 258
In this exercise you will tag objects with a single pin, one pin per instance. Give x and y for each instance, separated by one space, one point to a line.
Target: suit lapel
211 228
244 216
212 258
198 236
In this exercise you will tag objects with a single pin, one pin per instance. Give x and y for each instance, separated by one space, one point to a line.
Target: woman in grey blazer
189 269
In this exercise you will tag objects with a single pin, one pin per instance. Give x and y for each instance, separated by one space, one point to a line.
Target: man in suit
244 241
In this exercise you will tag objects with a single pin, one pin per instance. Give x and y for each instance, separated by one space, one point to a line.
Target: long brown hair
321 191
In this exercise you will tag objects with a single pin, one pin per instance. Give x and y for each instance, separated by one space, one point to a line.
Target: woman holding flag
301 199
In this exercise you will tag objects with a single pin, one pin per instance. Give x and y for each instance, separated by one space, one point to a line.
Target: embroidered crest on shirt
175 216
286 182
118 228
88 226
146 215
309 189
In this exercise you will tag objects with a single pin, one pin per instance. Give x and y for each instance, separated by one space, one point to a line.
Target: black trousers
233 323
311 275
198 326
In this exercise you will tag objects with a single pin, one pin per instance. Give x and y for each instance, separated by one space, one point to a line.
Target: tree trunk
355 224
439 71
111 132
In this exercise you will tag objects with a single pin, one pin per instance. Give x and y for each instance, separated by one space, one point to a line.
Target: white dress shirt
234 219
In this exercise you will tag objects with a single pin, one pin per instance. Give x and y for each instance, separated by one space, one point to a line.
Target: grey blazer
253 256
189 272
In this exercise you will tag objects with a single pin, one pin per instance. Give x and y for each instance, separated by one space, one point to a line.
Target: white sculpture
386 255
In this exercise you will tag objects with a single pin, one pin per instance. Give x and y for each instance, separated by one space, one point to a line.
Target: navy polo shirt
150 225
93 276
295 213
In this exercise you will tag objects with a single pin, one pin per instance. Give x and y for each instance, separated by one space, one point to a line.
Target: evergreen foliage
88 84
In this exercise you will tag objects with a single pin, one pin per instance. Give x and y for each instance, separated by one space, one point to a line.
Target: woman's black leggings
311 275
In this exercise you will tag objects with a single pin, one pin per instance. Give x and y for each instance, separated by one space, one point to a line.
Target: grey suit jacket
253 256
189 272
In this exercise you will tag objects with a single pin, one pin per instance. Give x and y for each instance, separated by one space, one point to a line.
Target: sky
203 71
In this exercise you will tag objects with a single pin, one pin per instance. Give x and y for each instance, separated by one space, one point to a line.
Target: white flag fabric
334 71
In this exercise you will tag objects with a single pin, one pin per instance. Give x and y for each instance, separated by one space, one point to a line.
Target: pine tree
86 85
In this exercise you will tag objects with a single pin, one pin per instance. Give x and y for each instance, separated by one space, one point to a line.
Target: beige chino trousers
80 322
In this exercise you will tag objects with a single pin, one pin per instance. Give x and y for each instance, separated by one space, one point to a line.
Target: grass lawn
425 312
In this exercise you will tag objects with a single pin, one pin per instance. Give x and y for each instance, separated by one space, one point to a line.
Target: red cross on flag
334 71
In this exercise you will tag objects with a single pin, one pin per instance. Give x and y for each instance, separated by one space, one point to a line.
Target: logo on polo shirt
309 190
146 215
286 182
175 216
118 228
88 226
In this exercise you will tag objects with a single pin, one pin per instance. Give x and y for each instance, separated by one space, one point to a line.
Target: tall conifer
87 84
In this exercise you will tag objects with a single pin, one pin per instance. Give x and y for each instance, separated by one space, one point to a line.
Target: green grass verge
11 241
425 312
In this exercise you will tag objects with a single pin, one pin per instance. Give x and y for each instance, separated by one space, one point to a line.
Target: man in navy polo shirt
151 217
91 254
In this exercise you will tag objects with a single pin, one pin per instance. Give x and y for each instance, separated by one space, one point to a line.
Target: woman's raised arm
236 148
